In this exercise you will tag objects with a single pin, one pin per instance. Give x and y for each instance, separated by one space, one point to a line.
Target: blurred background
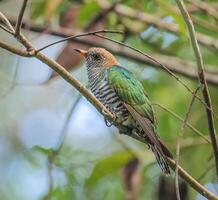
53 142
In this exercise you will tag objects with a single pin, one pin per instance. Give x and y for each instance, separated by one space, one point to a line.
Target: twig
79 35
179 142
187 143
13 82
9 28
65 126
205 7
20 17
14 50
58 148
5 29
194 183
180 118
176 65
147 18
202 79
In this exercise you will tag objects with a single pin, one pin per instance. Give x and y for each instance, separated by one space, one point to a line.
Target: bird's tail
161 156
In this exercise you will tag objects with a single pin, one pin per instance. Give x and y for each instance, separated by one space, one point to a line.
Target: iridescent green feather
130 91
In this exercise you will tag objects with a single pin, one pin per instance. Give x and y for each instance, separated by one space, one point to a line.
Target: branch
77 36
20 17
202 79
9 28
187 124
150 19
176 65
14 50
179 142
194 183
205 7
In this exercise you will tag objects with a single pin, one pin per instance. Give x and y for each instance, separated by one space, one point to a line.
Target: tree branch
193 182
147 18
20 17
181 119
14 50
202 79
176 65
205 7
179 142
77 36
9 28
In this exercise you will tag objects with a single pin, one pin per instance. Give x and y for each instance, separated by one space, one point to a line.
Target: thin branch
202 80
79 35
193 182
13 82
176 65
189 142
179 142
14 50
5 29
20 17
9 28
205 7
58 148
147 18
66 123
181 119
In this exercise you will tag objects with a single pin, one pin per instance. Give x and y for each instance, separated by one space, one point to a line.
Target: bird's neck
95 74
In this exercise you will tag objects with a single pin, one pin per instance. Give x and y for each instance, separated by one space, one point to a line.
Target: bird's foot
108 123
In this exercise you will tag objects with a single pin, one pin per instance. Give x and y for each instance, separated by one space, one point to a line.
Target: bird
124 96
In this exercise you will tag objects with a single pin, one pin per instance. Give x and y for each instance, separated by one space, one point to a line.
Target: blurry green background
94 162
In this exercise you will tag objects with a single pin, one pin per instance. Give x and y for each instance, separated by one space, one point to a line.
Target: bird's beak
82 52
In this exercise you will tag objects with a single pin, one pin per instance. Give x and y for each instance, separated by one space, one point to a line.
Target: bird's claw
108 123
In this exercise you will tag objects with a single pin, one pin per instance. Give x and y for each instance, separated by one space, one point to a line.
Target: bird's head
98 57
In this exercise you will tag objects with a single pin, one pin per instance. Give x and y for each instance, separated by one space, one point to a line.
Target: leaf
87 11
108 165
46 151
38 9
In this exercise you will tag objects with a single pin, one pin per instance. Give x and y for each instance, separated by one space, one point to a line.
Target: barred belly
108 97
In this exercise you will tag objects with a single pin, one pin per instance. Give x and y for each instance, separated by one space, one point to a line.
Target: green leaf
108 165
87 11
37 9
46 151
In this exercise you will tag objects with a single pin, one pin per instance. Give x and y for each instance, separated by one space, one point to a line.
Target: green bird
124 96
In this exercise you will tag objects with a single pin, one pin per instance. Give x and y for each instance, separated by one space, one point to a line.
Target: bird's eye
96 57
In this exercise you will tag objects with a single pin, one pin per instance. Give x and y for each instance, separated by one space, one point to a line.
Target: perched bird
124 96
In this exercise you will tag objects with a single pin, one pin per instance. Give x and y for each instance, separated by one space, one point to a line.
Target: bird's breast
109 98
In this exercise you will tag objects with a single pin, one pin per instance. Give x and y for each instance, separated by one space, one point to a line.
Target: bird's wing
132 93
